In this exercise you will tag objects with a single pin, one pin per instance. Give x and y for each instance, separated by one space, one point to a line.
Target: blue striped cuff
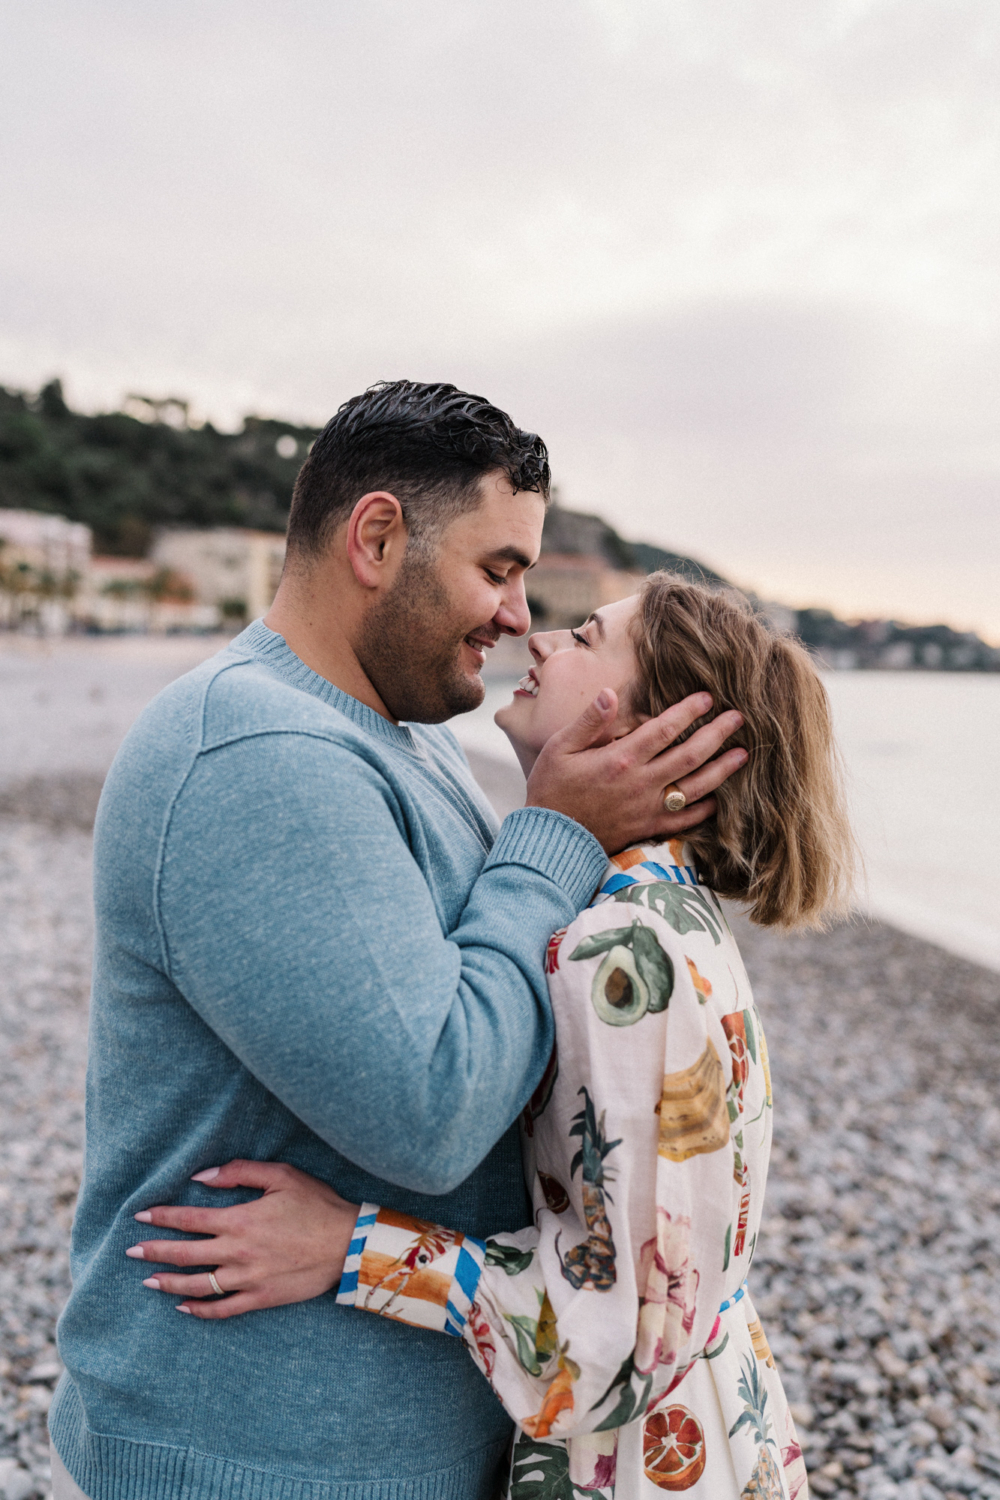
347 1289
415 1272
465 1284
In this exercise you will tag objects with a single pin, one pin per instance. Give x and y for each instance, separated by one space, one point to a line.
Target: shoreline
920 772
878 1262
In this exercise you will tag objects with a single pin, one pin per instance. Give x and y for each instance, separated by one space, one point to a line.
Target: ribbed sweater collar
270 648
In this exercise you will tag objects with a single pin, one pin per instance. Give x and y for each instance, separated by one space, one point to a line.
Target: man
314 945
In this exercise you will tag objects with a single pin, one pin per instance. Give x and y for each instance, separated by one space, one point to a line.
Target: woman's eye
581 640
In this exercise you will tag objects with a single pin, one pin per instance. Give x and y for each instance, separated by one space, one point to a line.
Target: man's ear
376 538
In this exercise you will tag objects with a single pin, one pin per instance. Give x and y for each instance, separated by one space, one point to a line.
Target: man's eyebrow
512 554
595 617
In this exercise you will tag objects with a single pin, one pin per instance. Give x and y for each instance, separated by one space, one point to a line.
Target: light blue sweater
312 946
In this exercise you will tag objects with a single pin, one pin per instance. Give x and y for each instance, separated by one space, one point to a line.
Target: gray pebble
877 1269
15 1483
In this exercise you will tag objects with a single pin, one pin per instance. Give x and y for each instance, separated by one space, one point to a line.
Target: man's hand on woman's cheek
615 787
287 1246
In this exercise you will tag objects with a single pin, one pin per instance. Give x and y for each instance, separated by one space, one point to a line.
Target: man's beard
410 649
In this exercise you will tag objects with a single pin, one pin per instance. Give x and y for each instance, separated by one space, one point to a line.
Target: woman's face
570 669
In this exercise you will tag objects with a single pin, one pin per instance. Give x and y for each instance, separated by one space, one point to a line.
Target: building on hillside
563 588
46 543
116 597
51 583
134 594
44 562
585 563
575 533
232 570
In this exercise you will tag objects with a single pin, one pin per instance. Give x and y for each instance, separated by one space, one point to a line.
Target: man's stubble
410 646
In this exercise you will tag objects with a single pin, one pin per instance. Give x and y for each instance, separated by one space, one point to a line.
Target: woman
618 1331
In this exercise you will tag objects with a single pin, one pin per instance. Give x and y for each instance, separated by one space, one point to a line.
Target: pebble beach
877 1271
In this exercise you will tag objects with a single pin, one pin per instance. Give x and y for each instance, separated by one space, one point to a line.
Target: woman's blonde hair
781 841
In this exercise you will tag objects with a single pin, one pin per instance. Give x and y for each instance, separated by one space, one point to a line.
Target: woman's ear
625 725
376 538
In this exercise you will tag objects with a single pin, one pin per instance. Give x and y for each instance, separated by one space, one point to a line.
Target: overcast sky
738 263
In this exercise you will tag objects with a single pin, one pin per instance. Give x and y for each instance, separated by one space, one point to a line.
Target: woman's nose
544 642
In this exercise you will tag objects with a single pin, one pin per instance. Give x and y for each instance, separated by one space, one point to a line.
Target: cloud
820 454
739 258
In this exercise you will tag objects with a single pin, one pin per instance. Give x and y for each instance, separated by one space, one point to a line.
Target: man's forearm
408 1050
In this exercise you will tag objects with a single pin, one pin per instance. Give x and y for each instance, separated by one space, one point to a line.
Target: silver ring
216 1288
673 798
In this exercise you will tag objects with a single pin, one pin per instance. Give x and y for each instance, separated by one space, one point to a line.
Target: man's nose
513 617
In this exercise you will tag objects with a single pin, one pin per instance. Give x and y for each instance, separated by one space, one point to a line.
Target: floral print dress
618 1331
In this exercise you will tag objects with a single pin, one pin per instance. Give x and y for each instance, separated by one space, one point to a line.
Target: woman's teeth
528 685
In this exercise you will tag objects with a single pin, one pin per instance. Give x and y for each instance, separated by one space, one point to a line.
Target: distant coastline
143 479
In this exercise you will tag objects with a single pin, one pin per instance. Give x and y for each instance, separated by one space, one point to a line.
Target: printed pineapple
592 1264
765 1482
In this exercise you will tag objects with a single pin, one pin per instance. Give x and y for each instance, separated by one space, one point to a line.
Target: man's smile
479 643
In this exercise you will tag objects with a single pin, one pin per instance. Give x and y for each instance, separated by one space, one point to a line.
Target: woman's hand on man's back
287 1246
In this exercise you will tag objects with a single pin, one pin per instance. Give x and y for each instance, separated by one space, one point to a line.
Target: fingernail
706 700
603 700
145 1217
737 719
136 1252
209 1174
152 1281
182 1308
742 758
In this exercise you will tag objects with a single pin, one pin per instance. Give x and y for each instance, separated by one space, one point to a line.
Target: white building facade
234 570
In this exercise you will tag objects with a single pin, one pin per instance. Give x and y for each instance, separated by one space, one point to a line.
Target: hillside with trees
123 475
126 473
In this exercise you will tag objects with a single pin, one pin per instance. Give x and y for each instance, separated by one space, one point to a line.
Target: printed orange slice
673 1448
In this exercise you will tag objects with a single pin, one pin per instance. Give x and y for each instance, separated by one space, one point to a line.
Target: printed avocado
655 966
620 994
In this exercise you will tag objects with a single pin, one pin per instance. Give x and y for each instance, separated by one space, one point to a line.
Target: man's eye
495 577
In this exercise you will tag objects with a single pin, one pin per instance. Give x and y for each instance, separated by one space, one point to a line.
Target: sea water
921 750
921 753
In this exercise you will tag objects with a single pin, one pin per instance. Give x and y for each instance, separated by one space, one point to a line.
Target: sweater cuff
553 844
412 1271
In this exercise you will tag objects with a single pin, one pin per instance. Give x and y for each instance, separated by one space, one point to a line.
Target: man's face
424 643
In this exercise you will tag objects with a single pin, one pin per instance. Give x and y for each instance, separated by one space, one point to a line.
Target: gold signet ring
216 1288
673 798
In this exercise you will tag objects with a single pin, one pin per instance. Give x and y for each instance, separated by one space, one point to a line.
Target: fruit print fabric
615 1331
673 1448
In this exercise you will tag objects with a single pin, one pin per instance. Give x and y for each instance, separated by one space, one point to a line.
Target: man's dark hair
429 445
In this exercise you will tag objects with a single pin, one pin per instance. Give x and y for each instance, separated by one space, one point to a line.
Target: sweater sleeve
296 921
583 1320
